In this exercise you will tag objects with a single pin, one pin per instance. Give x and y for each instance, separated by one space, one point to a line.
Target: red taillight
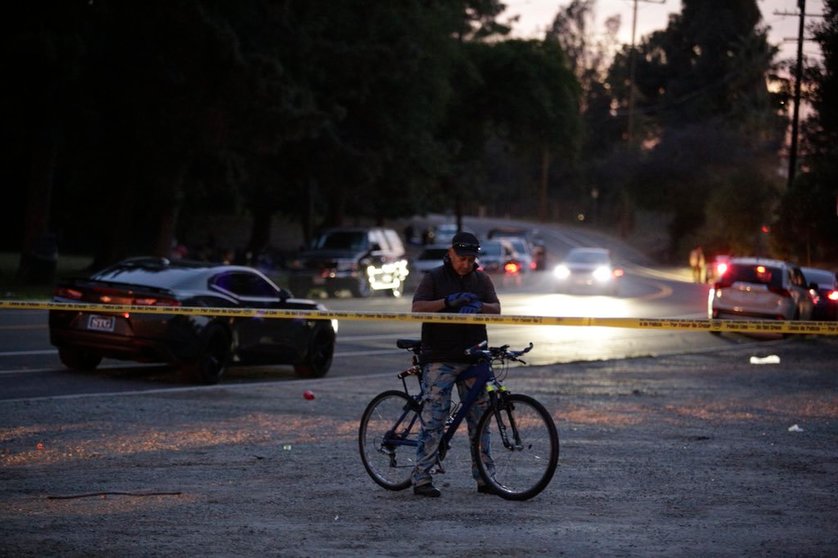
67 292
533 266
511 267
721 268
618 272
154 301
833 296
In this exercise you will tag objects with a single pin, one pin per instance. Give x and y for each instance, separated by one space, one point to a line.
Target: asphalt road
701 454
29 365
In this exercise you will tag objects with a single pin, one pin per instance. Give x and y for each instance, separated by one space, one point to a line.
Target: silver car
758 288
587 268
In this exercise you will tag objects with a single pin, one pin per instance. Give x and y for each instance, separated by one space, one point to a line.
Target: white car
758 288
522 253
590 269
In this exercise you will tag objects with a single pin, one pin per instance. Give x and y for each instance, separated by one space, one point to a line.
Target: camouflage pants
439 379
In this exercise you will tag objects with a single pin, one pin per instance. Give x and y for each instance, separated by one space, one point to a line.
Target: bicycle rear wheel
387 439
523 444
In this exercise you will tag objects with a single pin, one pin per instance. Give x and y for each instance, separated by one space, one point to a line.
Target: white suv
760 288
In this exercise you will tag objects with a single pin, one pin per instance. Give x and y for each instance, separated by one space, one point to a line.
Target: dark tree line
124 121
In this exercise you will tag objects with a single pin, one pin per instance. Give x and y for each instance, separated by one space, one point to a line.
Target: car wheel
318 357
79 359
209 367
362 286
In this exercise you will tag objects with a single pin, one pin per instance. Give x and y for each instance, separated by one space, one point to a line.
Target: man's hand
458 300
473 307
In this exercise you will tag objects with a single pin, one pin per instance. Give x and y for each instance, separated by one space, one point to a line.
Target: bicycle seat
408 343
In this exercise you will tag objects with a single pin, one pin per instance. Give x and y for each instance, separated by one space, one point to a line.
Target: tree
808 220
702 90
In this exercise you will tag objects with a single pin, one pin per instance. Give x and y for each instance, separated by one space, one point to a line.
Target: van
359 260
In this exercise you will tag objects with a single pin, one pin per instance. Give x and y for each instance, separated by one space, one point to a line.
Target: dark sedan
825 283
203 346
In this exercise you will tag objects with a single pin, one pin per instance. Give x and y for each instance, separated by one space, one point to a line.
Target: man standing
697 264
456 286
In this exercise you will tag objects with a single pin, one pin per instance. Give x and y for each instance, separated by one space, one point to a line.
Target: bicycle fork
501 406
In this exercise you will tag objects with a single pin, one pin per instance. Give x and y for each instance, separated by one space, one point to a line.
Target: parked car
535 243
759 288
588 269
825 284
360 260
522 253
494 255
201 345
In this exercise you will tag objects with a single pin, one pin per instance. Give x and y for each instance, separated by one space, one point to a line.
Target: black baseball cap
465 244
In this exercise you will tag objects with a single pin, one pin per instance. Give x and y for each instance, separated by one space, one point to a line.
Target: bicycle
520 467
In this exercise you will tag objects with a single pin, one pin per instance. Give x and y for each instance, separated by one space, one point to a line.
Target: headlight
602 273
561 271
322 308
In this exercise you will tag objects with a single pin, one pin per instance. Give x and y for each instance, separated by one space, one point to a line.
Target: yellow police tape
740 326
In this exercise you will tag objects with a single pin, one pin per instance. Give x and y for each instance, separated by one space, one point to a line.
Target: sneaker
427 489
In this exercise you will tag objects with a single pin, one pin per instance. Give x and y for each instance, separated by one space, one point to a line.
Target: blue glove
473 307
456 300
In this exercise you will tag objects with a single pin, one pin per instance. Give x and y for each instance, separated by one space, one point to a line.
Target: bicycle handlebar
501 353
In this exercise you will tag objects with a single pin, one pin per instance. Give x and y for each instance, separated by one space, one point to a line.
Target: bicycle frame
481 372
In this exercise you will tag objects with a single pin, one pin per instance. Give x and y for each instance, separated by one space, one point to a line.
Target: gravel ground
690 455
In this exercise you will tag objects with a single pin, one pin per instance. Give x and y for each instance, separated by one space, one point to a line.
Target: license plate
101 323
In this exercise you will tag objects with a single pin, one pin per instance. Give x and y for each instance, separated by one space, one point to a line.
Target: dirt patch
699 454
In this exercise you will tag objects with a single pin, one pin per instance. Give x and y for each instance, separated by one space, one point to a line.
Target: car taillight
533 266
511 267
833 296
155 301
67 292
721 268
618 272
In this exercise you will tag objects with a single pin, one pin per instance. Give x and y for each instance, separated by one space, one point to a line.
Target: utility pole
633 65
798 79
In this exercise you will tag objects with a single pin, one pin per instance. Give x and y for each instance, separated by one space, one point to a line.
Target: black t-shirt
448 342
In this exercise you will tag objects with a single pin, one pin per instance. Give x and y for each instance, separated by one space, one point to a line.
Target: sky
536 16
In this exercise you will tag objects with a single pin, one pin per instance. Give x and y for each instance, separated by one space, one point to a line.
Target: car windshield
751 273
519 245
491 249
819 276
588 256
342 240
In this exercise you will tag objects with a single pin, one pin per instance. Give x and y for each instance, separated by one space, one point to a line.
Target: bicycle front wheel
388 437
517 447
